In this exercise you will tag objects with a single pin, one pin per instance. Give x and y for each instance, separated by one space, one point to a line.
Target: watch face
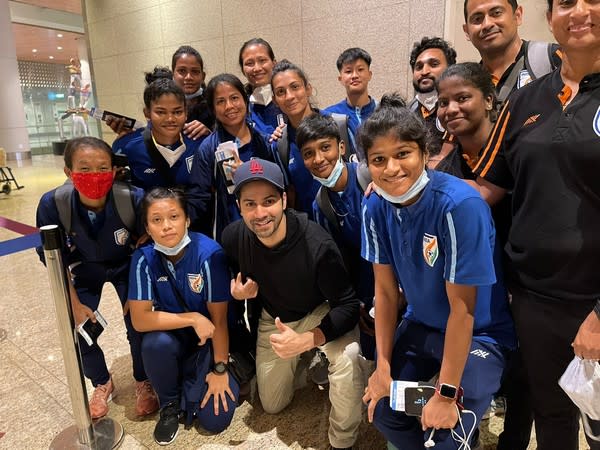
220 367
447 390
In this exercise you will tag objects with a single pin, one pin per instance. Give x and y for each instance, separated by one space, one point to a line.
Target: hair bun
392 100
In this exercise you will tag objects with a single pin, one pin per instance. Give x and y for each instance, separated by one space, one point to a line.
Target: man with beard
428 59
492 27
291 267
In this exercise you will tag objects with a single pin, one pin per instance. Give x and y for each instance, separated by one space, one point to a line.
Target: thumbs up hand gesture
287 343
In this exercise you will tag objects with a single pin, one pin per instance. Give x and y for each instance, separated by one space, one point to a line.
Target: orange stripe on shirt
496 148
491 139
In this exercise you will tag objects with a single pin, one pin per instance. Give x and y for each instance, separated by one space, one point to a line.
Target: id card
397 388
226 153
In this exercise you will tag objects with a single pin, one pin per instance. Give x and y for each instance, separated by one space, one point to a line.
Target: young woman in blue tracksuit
432 235
160 154
99 244
338 209
227 99
256 60
292 92
179 295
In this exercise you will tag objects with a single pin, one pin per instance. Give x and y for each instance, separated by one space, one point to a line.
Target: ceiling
45 40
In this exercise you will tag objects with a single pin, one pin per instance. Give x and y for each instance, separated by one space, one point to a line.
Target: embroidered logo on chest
188 162
121 236
196 282
596 123
430 249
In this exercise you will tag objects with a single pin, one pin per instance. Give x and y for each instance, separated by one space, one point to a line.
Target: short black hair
160 87
433 42
284 65
393 117
315 127
513 4
474 74
83 142
157 73
188 50
352 54
255 41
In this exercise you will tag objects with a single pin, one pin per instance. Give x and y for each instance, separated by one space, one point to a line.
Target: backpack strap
363 175
538 59
510 82
413 105
124 204
283 147
324 202
62 199
342 122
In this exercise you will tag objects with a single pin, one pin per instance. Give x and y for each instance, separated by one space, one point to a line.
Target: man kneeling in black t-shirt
292 268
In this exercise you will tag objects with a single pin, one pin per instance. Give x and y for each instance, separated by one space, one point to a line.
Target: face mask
334 176
262 95
412 192
198 93
172 251
428 99
94 185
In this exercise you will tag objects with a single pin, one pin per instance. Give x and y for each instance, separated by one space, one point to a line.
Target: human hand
82 312
117 124
233 165
218 386
195 129
287 343
439 413
242 291
277 133
126 308
203 327
586 344
377 388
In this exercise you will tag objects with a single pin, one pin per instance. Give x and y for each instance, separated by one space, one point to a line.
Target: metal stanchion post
101 434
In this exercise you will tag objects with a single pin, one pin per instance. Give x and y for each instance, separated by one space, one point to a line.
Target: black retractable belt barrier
101 434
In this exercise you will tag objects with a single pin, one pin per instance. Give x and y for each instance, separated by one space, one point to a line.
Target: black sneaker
167 427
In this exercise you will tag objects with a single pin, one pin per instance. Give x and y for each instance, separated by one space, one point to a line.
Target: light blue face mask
173 251
335 174
410 194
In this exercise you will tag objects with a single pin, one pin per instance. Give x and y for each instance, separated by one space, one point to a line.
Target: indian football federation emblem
196 282
189 162
121 236
430 249
597 122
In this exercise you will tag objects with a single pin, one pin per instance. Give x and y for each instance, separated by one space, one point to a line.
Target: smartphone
226 153
415 398
102 114
90 331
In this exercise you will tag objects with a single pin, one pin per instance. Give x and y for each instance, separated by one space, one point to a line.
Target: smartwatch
447 390
221 368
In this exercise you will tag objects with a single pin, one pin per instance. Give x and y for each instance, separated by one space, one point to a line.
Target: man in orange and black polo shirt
492 27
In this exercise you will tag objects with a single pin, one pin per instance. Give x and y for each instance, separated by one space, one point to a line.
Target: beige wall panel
534 27
139 30
318 9
107 79
104 9
102 39
254 15
199 23
213 55
133 105
324 39
132 66
285 40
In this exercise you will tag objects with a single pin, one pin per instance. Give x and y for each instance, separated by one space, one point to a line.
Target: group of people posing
450 239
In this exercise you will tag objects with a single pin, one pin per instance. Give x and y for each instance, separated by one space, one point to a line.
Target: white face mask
198 93
262 95
428 99
335 174
173 251
410 194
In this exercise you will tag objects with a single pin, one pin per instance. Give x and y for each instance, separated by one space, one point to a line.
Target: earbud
429 442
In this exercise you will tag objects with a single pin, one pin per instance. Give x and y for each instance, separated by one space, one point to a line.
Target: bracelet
597 309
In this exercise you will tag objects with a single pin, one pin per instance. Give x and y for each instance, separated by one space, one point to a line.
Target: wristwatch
597 308
221 368
447 390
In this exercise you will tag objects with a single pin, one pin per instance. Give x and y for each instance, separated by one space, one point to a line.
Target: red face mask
94 185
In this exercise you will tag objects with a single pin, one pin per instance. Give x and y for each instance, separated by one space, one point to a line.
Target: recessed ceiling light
51 57
59 48
34 50
59 35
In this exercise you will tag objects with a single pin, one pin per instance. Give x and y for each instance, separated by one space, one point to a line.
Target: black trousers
546 328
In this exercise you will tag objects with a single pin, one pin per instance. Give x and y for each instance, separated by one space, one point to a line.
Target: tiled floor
35 404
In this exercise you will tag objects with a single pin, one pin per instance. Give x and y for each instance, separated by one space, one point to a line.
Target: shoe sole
170 442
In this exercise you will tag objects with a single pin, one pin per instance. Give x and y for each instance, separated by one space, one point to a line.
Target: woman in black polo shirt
545 148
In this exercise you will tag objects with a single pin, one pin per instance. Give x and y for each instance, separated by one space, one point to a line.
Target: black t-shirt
298 275
549 157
